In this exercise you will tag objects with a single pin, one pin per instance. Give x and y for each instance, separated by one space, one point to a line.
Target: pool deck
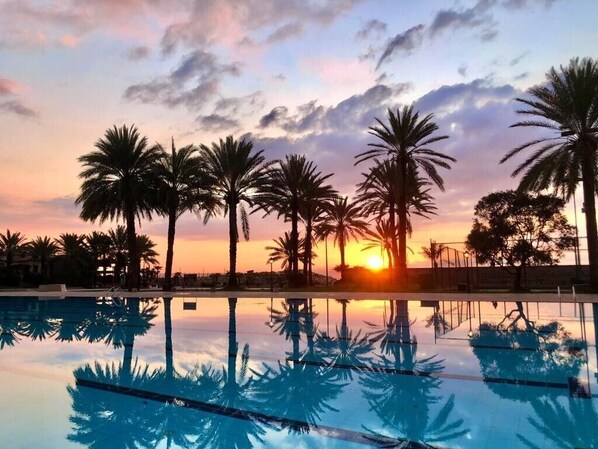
564 297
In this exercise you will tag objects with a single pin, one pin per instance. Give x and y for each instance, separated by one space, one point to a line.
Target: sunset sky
295 76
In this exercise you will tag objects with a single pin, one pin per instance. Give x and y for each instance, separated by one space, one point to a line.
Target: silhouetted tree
405 140
119 181
236 173
514 229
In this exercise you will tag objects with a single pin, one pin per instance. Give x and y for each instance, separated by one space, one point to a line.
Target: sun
375 262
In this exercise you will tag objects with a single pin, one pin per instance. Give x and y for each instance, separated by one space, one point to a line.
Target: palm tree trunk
232 248
308 245
589 189
294 281
402 216
341 247
133 265
169 250
393 242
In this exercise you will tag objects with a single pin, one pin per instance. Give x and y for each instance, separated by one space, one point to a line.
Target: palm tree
345 222
433 252
182 178
405 140
99 248
315 200
73 251
119 181
379 194
236 174
11 245
567 104
42 249
146 254
382 237
283 249
285 192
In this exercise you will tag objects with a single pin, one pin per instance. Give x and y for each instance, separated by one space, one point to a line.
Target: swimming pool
301 373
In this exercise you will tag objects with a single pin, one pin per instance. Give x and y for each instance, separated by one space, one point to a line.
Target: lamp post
271 322
326 254
466 256
271 277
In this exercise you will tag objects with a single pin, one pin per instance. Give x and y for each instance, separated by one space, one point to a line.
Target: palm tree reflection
402 388
299 390
348 350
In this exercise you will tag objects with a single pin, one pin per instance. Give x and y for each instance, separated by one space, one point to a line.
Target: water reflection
299 389
519 348
403 388
393 388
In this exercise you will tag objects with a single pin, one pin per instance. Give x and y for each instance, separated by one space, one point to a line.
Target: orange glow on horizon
375 262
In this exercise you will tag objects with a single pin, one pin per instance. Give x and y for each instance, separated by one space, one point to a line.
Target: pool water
296 373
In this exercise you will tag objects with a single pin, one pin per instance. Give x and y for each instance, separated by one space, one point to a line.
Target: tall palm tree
405 140
379 193
119 181
566 104
346 223
182 179
42 249
284 194
11 245
316 197
236 174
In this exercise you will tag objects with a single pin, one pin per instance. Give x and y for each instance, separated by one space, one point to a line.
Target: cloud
141 52
207 19
518 59
8 87
195 81
285 32
474 17
449 98
69 41
462 70
215 122
521 4
403 43
355 112
30 23
17 107
373 27
277 115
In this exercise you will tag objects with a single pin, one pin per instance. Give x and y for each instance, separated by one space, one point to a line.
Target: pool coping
567 297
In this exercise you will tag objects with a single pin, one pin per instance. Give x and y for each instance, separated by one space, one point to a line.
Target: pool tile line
387 370
368 439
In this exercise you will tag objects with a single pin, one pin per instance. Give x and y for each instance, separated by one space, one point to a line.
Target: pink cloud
69 41
9 87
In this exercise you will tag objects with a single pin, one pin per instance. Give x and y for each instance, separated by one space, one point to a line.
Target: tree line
126 178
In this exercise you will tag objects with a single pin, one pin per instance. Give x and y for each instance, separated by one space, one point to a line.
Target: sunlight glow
375 262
